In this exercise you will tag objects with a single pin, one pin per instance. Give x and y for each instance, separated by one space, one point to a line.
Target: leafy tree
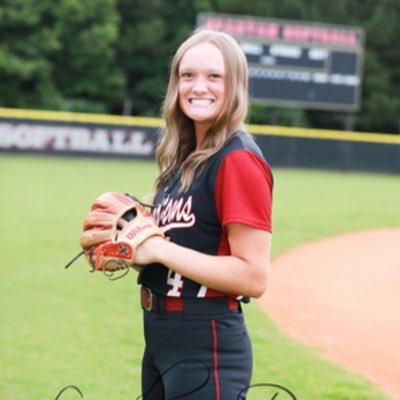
85 65
26 46
381 95
49 54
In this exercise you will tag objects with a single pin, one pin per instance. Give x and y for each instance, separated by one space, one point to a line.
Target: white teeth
201 102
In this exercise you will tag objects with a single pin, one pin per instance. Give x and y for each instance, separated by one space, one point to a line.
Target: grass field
67 327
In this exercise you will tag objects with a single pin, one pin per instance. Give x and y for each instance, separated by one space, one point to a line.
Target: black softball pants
201 355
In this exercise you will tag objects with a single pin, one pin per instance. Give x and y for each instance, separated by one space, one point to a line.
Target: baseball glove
115 226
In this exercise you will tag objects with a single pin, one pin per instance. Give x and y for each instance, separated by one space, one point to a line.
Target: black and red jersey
235 186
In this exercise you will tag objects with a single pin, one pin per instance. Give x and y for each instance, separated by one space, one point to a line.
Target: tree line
112 56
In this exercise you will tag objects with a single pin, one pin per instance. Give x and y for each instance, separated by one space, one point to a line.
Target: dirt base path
342 296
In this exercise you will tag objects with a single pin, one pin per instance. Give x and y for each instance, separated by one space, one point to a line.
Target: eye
185 75
215 76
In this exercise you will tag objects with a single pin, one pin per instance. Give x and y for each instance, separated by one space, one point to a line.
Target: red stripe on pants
215 356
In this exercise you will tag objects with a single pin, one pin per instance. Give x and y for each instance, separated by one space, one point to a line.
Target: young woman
213 201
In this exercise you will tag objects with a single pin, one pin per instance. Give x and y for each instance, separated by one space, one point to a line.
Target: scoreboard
298 64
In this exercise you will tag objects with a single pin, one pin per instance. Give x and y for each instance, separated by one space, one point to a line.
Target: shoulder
243 185
241 140
242 150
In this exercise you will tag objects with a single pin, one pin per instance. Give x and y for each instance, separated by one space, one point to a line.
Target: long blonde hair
177 140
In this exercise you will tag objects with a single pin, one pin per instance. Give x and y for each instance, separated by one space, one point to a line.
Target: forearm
229 274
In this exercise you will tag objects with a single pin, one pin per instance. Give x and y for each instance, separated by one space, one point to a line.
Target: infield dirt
341 295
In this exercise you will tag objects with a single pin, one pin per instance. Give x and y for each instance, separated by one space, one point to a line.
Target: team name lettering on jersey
175 213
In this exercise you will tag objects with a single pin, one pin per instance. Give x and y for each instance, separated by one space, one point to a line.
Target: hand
148 251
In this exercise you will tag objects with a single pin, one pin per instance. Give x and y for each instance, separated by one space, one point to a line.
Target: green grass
67 327
309 205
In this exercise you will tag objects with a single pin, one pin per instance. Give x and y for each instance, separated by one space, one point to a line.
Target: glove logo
134 232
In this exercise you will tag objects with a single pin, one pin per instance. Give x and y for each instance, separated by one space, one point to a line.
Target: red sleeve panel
243 190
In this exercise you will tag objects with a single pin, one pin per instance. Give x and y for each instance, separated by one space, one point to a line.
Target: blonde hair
177 140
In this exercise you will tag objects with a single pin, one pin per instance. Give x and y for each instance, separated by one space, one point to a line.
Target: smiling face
201 86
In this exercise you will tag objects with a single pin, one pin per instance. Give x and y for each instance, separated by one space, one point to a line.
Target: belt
151 301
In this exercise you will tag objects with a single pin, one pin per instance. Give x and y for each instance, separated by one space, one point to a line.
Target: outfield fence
78 134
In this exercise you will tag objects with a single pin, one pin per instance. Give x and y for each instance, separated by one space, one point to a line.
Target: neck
201 133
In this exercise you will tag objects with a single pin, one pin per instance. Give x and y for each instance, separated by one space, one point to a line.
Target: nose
199 85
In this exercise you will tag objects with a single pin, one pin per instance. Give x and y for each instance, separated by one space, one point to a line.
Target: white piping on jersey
176 225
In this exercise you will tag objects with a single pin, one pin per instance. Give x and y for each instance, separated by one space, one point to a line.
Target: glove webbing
107 273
